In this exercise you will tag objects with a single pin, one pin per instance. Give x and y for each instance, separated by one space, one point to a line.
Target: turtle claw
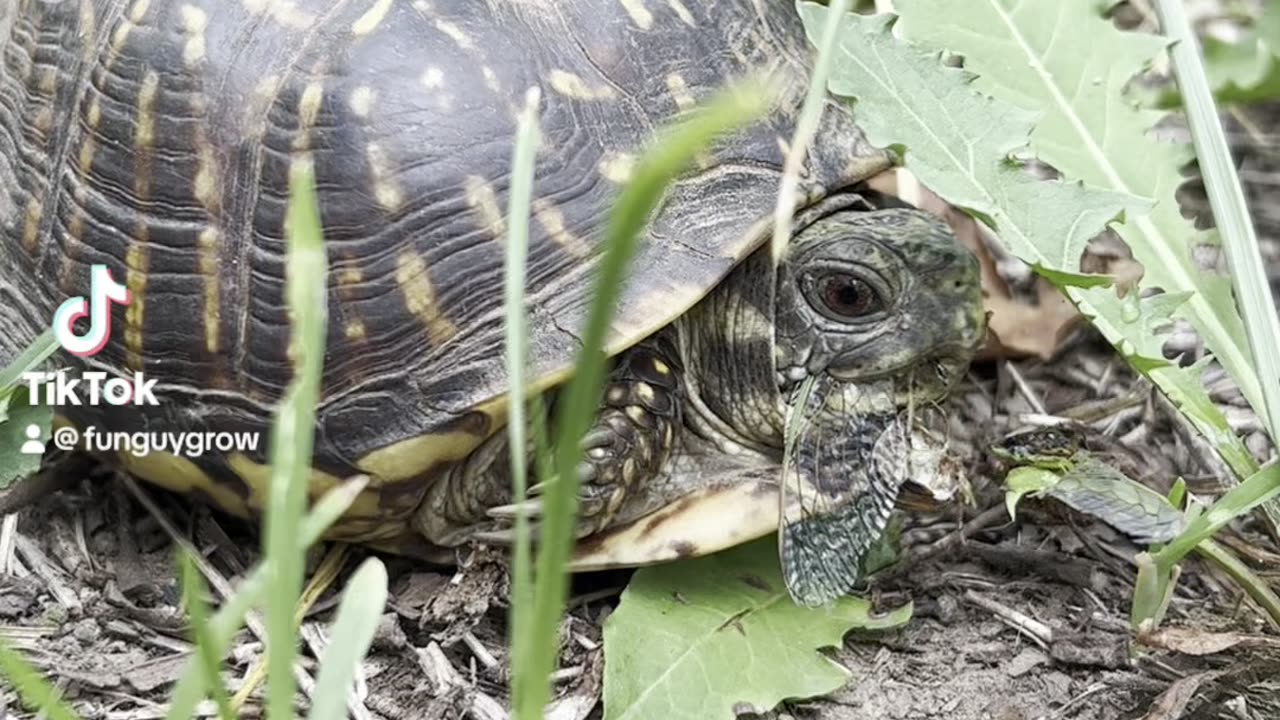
531 508
587 474
506 536
598 438
629 441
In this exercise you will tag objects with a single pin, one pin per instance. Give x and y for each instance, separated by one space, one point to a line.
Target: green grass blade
806 127
292 434
1239 242
361 608
207 658
37 352
228 620
669 156
521 197
1239 500
1255 586
1152 593
34 690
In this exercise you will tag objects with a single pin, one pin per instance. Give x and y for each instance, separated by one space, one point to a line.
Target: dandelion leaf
706 638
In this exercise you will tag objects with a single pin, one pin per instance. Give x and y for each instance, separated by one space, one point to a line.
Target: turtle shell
156 137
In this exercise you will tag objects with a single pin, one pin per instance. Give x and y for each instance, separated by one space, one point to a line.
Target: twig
440 673
1024 389
590 597
82 542
443 677
46 571
1039 632
1090 691
478 649
568 673
7 530
1046 563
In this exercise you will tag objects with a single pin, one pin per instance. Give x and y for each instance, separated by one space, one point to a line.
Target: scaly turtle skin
156 137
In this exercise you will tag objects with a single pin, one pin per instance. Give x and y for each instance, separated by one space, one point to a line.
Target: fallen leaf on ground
1190 641
1173 701
703 638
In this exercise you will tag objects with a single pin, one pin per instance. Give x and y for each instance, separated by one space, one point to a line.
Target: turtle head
877 314
887 294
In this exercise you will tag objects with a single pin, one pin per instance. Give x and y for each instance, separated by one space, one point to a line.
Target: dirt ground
1013 621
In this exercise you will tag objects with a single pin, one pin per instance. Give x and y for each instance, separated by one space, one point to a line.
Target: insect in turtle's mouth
928 378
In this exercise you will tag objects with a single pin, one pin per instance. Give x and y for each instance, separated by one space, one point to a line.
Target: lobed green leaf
704 638
15 421
1067 64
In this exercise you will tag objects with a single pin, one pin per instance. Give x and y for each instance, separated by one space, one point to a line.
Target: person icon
33 445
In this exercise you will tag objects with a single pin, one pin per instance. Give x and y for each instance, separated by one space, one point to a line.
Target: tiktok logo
102 292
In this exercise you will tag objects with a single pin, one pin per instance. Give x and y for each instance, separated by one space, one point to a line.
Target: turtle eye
845 296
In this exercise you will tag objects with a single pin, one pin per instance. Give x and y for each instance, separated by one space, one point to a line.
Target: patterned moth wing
1095 488
844 465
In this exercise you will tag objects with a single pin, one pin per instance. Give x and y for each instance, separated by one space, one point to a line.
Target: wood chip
157 673
53 577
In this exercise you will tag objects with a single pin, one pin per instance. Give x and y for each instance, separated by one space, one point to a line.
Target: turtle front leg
632 436
627 444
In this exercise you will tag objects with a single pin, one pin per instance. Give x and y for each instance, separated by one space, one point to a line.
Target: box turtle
155 137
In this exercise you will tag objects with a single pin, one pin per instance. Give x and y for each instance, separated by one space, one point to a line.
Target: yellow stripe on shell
372 18
432 78
385 189
639 14
683 12
354 330
139 11
308 110
455 33
88 26
285 12
362 101
552 222
194 22
575 87
136 257
482 198
207 260
416 457
135 274
617 166
420 297
31 226
180 475
257 477
697 524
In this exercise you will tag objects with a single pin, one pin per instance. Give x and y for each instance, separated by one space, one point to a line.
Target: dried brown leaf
1190 641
